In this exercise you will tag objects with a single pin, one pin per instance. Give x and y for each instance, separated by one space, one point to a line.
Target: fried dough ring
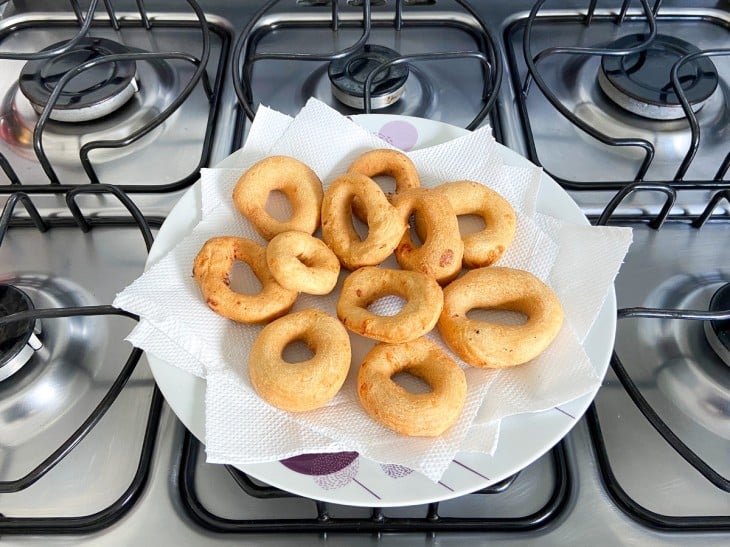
384 162
425 414
484 247
297 387
291 177
497 345
301 262
212 269
424 301
385 225
441 252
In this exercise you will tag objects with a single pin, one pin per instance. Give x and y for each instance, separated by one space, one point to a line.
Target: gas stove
107 112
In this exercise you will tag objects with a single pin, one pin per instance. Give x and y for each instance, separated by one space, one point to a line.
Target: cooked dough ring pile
291 177
467 197
294 261
385 225
212 268
303 263
298 387
427 414
497 345
363 287
384 162
441 252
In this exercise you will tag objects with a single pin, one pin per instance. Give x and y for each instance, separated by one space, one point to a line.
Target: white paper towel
266 129
241 428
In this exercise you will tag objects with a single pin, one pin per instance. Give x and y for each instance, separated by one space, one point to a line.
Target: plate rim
275 473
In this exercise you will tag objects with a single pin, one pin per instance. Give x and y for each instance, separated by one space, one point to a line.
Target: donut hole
471 224
243 280
502 317
278 206
417 230
297 351
411 383
387 306
386 183
360 227
310 261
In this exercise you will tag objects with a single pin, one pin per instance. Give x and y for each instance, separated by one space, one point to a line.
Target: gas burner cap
92 94
642 84
349 73
718 332
17 340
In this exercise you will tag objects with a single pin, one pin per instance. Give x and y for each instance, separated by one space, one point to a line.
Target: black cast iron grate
85 22
487 57
650 16
624 501
111 514
378 522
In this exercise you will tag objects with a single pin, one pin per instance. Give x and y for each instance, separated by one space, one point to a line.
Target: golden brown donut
424 300
212 269
301 262
292 178
497 345
384 162
441 252
385 225
484 247
423 414
297 387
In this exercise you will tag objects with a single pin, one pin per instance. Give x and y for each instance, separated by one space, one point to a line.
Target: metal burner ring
92 94
641 83
348 75
18 340
718 332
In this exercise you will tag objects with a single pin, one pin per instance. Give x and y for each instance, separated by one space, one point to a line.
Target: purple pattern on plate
568 414
340 478
457 462
395 471
400 134
320 464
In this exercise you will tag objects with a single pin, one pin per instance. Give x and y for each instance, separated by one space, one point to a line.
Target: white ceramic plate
347 478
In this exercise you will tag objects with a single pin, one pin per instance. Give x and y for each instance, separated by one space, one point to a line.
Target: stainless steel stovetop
89 453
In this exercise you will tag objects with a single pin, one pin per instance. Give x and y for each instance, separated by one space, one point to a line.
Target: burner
92 94
349 73
17 340
718 332
641 82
